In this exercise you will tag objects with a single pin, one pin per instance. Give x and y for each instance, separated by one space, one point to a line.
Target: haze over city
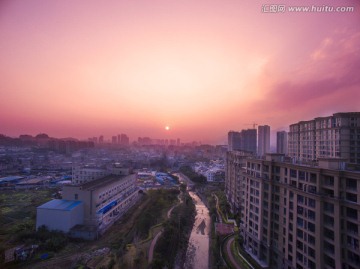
81 69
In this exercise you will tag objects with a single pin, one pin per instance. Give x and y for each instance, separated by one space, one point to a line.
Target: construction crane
253 124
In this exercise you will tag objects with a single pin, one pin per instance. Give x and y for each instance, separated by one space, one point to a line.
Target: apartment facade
85 173
235 165
297 216
336 136
82 174
282 142
244 140
234 140
263 139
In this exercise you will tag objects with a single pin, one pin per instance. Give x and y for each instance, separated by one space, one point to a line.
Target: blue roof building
59 214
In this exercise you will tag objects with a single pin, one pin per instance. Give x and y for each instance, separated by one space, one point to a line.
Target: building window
351 213
328 207
328 220
76 196
312 178
329 234
351 184
354 257
311 239
352 227
311 214
311 264
311 202
328 180
301 175
311 252
329 261
351 197
311 227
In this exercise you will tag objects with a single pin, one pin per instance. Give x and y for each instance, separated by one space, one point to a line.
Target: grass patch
18 213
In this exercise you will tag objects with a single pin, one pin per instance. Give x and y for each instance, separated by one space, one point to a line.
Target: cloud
332 69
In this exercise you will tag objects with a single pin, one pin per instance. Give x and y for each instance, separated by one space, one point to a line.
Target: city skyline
81 69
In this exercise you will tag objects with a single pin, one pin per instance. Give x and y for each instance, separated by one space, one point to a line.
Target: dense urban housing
301 210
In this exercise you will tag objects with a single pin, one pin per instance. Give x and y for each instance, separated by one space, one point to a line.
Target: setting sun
167 128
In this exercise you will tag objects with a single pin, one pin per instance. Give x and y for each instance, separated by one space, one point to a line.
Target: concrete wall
62 220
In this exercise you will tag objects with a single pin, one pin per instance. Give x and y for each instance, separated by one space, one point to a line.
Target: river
197 254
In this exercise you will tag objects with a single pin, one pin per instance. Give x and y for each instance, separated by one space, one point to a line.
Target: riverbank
173 242
197 254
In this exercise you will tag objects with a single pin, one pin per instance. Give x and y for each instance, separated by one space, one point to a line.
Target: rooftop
59 204
10 178
100 182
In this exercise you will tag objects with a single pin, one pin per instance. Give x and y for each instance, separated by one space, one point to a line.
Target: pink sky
86 68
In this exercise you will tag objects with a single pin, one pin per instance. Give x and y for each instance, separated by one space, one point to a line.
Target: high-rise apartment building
235 165
302 211
282 142
297 216
336 136
263 140
234 140
244 140
124 140
248 140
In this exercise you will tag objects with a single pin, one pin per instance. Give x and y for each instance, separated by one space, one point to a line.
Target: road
183 178
233 261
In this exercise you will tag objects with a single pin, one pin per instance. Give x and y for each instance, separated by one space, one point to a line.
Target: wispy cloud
331 69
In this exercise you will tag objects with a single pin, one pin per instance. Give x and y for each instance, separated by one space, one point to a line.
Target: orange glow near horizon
83 69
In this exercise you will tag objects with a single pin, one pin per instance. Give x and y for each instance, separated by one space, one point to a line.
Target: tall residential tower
244 140
282 142
263 140
336 136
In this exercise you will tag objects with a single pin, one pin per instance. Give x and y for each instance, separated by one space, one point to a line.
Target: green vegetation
190 173
127 240
234 252
224 206
238 246
18 214
175 235
215 240
47 240
160 199
130 239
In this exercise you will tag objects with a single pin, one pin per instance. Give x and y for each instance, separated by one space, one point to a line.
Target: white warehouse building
60 215
90 208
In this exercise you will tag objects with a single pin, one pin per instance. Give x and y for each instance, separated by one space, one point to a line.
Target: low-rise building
101 202
82 174
105 199
60 214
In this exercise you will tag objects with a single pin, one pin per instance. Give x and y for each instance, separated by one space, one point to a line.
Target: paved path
233 261
153 242
152 246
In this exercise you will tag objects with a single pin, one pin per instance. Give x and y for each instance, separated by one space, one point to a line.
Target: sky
87 68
